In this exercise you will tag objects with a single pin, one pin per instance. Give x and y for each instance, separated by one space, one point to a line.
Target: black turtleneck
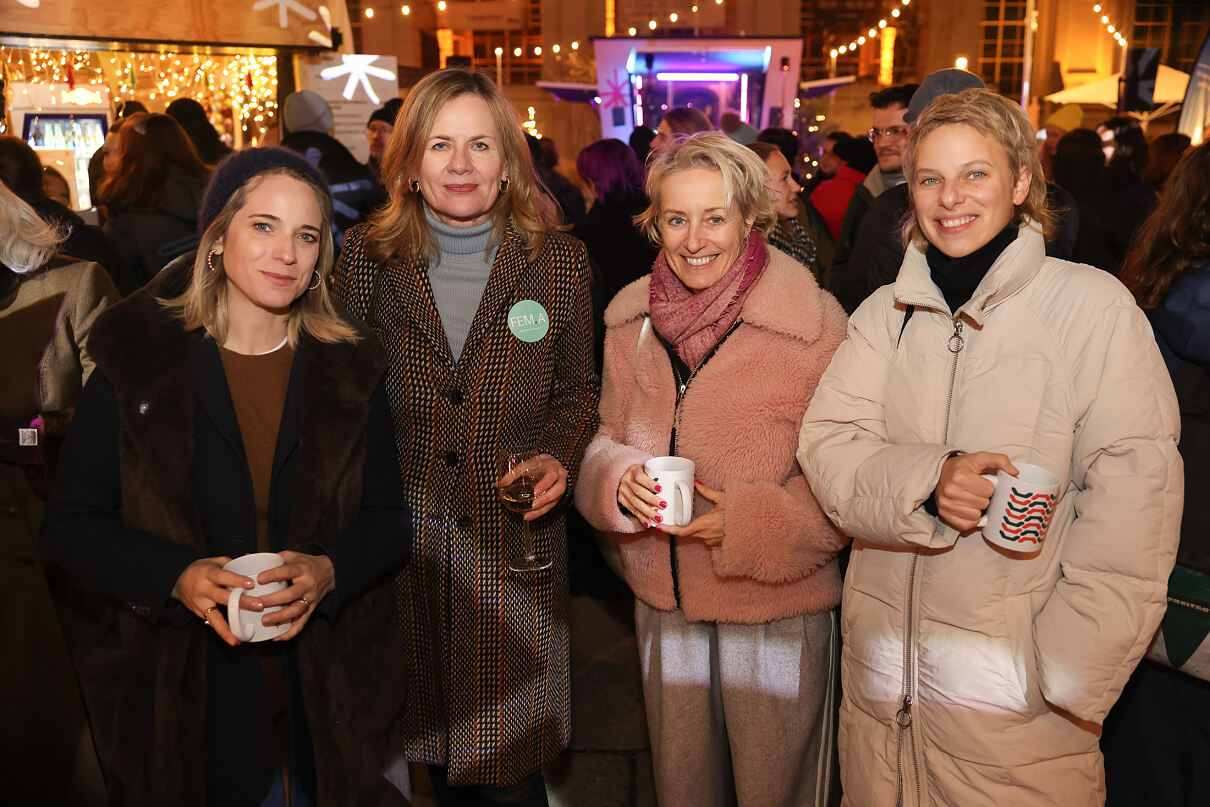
959 277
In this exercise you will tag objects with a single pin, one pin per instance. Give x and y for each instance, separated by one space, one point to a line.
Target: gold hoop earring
210 259
504 185
317 281
414 186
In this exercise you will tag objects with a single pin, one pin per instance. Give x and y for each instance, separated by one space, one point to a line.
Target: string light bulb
369 13
406 10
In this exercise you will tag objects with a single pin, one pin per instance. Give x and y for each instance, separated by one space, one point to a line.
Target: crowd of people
259 424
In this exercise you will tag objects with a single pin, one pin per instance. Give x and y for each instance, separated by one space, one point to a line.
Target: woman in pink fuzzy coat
714 357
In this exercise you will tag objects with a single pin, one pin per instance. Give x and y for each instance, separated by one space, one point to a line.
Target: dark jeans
1156 741
529 792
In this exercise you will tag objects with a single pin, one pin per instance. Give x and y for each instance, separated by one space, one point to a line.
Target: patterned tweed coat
489 690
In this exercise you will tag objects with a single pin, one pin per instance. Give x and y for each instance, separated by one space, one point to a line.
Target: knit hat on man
387 112
949 81
306 111
231 174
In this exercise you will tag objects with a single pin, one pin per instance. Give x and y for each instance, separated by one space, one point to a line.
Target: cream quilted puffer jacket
970 676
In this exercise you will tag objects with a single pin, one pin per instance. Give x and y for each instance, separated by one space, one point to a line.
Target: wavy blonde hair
995 117
399 230
743 173
204 303
26 241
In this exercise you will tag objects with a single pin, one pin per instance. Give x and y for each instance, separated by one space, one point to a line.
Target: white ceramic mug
1019 513
674 475
247 625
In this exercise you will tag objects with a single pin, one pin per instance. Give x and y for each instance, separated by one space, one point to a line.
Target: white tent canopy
1170 85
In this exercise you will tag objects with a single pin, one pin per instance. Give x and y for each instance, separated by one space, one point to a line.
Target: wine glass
519 468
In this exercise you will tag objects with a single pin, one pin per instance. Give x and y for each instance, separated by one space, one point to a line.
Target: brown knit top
258 393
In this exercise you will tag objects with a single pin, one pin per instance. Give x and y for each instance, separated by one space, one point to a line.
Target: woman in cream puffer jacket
974 676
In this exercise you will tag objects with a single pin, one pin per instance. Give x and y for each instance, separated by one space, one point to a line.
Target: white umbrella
1170 85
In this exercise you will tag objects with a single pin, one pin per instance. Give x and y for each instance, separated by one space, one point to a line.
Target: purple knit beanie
231 174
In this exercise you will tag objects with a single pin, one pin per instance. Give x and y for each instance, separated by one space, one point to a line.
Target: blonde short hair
204 303
26 241
744 175
995 117
399 229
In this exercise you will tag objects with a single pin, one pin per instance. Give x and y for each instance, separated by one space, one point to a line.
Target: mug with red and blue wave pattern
1020 509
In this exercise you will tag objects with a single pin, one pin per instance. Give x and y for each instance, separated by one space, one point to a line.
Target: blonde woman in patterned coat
466 237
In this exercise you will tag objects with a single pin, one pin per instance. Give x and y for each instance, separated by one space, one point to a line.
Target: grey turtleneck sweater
458 274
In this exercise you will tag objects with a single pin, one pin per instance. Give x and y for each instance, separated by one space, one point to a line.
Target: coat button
10 511
451 458
455 396
26 558
464 524
143 407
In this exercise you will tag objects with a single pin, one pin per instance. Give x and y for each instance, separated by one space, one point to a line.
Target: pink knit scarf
693 323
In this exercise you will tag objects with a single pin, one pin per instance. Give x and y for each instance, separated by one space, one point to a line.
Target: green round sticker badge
528 320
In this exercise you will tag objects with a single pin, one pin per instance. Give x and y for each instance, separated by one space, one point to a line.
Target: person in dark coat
1126 155
355 190
193 119
872 255
809 218
178 461
48 304
21 171
614 177
1108 220
378 134
619 252
484 310
1157 738
565 193
152 196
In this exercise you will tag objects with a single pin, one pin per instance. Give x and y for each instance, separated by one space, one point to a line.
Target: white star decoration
283 9
358 67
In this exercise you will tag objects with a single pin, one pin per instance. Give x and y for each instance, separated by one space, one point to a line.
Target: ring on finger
206 615
305 602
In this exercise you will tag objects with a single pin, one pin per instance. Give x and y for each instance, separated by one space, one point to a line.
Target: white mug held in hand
1019 513
674 475
247 625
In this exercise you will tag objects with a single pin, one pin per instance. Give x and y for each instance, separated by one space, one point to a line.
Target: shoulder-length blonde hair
26 241
399 230
204 303
743 174
995 117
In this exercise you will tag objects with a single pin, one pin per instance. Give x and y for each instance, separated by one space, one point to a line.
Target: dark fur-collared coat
488 649
153 477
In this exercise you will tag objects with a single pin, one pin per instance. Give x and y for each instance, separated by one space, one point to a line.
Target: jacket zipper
904 717
682 386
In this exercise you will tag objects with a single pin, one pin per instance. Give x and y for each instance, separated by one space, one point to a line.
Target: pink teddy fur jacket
740 420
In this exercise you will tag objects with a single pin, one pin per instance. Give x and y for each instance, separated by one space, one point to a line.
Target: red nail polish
659 520
658 488
663 505
645 524
697 481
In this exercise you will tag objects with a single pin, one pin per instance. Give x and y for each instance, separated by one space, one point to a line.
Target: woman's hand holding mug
204 585
962 492
640 495
311 578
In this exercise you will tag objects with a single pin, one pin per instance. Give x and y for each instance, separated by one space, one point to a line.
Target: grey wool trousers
741 714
